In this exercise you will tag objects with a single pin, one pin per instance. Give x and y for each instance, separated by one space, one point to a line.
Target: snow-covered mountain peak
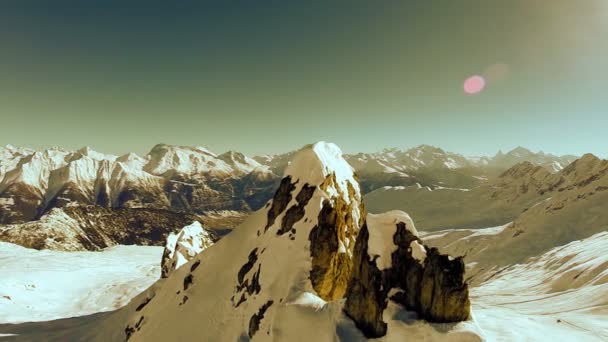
130 157
203 150
318 204
90 153
184 160
314 163
240 162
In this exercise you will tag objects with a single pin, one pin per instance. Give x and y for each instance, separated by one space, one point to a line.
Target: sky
263 76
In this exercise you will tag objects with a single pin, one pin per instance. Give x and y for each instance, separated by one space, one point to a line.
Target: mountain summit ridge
196 180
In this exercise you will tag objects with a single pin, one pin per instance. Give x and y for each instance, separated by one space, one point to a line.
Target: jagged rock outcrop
332 240
184 245
391 263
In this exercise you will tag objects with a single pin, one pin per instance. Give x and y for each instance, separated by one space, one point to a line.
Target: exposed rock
183 246
427 282
296 212
332 240
144 303
247 286
281 199
254 322
188 280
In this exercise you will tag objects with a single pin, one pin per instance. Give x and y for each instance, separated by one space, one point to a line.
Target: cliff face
391 263
332 240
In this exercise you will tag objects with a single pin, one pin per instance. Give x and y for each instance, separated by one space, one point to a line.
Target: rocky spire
332 230
391 263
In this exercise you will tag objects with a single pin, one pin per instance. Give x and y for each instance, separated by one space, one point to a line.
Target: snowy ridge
315 162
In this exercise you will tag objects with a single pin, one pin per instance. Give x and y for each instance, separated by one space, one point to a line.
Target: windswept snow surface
46 285
471 232
559 296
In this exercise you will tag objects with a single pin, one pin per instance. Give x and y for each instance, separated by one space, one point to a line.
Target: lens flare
474 84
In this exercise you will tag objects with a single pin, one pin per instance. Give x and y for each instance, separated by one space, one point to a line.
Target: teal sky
270 76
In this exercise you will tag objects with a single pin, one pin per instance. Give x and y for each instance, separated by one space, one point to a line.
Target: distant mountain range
184 179
196 180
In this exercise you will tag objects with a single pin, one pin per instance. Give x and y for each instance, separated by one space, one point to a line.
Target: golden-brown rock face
332 241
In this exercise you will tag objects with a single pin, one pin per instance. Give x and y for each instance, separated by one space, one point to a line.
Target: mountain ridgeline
195 180
181 179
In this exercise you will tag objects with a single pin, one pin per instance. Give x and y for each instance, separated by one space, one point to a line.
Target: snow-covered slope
569 205
558 296
516 192
46 285
561 295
